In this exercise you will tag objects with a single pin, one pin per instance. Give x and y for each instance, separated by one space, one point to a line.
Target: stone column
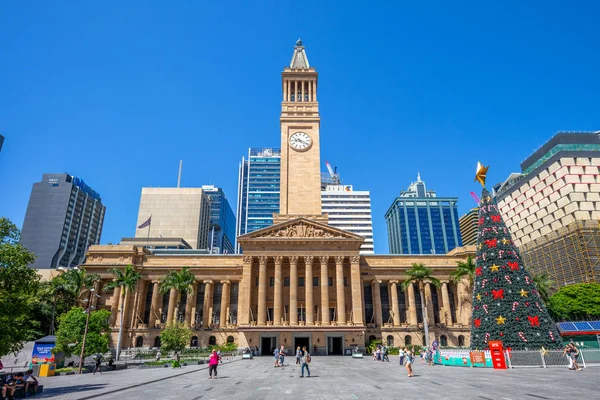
114 306
207 307
357 308
308 286
141 304
395 307
244 300
429 304
377 302
262 291
412 308
310 97
172 302
294 290
224 317
315 90
340 295
155 305
285 90
190 305
278 291
447 316
324 291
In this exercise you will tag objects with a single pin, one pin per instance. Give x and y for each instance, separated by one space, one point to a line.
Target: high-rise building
258 189
552 207
468 227
64 217
221 237
347 209
174 213
419 222
1 141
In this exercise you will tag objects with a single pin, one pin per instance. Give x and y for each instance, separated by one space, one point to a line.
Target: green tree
464 269
543 284
420 275
125 279
76 281
576 302
69 336
19 285
181 281
175 337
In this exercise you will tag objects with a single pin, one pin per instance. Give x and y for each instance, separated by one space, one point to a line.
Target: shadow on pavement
60 391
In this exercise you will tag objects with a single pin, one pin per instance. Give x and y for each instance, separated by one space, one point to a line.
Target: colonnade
300 90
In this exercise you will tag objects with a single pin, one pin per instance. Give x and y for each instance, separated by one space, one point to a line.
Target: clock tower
300 148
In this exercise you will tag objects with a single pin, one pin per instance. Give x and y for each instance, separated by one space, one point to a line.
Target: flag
145 224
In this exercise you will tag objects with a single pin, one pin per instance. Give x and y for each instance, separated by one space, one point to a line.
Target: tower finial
298 42
418 176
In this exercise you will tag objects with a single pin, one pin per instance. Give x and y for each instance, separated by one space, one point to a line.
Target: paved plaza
331 378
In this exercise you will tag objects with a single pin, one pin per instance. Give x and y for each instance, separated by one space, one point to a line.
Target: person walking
281 356
402 354
305 360
384 354
98 363
409 362
276 356
213 363
574 352
298 356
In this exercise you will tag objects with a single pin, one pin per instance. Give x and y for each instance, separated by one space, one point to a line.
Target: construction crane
335 177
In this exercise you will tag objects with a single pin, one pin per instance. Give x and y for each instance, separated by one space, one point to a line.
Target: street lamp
87 323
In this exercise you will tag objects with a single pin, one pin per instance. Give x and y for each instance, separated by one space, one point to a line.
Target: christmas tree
506 304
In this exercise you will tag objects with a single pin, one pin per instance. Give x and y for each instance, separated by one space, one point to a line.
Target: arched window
229 339
157 341
443 340
139 341
212 341
461 340
194 342
372 338
407 340
390 341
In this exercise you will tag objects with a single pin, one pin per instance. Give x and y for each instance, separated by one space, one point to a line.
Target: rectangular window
316 281
345 281
256 281
301 281
286 281
330 281
271 281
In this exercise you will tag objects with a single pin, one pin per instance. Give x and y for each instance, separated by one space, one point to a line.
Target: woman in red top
213 363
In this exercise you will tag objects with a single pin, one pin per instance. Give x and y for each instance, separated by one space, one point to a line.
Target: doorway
301 341
267 345
335 345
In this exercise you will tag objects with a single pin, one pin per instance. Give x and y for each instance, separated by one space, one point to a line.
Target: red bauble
527 303
516 319
501 333
486 293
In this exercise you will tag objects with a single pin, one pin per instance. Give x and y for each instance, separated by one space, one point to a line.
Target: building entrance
301 341
267 345
335 345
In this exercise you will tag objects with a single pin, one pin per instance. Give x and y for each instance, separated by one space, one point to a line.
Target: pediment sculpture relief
301 230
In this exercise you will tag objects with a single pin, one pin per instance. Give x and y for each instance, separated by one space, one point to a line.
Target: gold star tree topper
481 173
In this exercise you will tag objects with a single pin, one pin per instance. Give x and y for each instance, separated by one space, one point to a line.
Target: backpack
308 358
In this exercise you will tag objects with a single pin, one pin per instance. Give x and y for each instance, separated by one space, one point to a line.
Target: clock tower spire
300 147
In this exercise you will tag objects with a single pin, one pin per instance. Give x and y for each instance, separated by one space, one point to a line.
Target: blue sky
118 92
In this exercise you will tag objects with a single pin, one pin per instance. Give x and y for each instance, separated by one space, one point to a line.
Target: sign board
477 357
497 350
42 352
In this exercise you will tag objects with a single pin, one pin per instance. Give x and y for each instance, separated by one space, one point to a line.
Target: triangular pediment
301 229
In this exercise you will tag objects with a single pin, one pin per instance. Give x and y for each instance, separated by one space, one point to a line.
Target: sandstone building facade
299 282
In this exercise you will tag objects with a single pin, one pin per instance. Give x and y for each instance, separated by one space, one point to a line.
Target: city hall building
299 282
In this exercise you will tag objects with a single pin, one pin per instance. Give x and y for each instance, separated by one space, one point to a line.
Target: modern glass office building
258 190
221 235
419 222
64 217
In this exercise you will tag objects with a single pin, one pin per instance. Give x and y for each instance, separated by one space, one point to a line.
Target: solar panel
567 327
582 326
595 325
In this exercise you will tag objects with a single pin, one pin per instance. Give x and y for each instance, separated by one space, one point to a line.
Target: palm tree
76 280
125 279
543 284
56 288
420 274
464 268
180 281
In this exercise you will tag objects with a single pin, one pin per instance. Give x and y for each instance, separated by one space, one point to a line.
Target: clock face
300 141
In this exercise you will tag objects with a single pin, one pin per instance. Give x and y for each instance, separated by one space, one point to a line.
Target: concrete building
221 238
175 213
258 190
419 222
349 210
552 207
64 217
299 282
468 227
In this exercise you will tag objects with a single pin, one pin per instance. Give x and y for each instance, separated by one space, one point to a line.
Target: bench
357 355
